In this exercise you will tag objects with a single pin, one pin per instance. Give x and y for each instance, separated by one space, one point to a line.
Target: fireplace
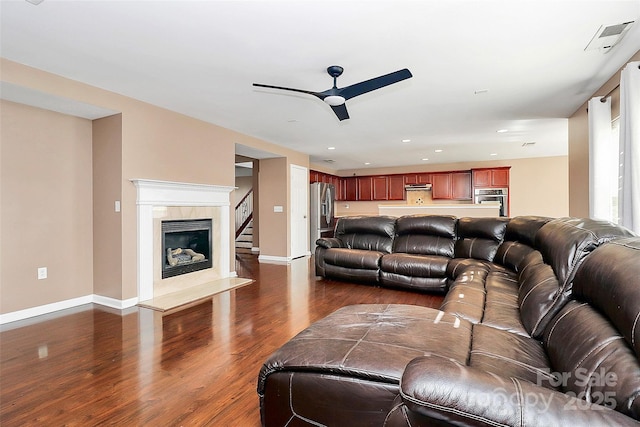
186 246
159 201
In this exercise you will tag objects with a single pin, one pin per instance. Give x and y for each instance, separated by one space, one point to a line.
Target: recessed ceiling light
438 150
502 130
406 140
367 163
425 159
331 148
493 154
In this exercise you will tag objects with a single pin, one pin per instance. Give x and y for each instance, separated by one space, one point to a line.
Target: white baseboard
279 259
274 259
44 309
115 303
27 313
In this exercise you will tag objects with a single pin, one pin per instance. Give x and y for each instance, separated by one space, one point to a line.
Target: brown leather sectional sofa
539 327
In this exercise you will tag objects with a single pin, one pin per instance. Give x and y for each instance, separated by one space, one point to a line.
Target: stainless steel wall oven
493 195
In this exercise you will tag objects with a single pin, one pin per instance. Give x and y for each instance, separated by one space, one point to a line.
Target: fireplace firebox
186 246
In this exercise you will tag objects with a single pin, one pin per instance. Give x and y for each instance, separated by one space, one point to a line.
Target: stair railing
244 213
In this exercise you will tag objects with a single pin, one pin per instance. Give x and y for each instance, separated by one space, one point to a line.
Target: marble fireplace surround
167 200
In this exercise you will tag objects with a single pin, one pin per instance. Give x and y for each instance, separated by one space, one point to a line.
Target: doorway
299 231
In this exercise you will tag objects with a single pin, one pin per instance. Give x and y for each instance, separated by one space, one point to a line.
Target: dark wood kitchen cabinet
461 186
451 185
491 178
441 186
396 187
417 178
350 189
380 187
365 188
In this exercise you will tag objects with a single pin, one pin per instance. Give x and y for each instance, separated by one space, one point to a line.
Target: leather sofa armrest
329 242
442 389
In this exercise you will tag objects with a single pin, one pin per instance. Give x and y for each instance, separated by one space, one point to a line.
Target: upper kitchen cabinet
395 187
365 188
451 185
490 178
417 178
380 187
350 189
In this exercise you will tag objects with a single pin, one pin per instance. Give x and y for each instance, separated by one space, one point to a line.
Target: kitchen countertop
459 210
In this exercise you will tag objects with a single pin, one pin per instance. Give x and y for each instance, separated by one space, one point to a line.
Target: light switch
278 209
117 205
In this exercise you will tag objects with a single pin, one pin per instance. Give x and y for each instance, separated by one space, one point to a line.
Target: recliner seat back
479 238
593 343
374 233
425 235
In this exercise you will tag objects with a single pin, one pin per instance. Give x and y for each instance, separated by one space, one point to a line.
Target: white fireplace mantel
153 193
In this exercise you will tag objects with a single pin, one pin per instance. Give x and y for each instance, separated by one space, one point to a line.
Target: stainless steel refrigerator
322 221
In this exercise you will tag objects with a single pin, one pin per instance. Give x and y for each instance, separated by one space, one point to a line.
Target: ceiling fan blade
341 111
373 84
319 95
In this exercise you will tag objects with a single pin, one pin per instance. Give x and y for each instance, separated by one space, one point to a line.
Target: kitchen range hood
415 187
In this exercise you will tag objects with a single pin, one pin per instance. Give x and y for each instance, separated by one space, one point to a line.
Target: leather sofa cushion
439 392
479 238
512 255
539 297
430 284
565 242
501 310
616 264
593 360
523 229
466 297
457 266
432 225
510 355
352 274
425 234
353 258
374 233
371 341
415 265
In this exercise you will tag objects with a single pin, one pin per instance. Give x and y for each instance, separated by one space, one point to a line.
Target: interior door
299 224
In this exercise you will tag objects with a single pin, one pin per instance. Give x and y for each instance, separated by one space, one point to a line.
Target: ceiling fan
336 97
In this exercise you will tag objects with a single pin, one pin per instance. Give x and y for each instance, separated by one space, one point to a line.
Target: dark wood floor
94 366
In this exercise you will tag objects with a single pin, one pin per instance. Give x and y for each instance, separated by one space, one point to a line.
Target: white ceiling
200 58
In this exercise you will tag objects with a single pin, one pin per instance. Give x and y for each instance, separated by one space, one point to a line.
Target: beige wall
274 232
107 223
579 147
156 144
538 186
243 184
46 204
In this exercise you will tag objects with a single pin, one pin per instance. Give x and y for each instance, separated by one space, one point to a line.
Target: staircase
244 224
244 242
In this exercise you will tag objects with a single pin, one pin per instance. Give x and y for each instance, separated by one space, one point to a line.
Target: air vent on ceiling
528 144
329 161
608 36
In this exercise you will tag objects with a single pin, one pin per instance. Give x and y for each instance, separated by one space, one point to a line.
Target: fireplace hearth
186 246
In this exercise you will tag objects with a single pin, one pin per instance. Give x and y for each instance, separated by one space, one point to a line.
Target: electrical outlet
42 273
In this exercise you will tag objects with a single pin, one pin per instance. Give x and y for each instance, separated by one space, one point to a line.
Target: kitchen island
460 210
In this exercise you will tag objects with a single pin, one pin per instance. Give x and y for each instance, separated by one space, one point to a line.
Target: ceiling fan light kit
336 97
334 100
